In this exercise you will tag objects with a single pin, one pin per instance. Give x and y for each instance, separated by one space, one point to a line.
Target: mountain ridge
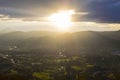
47 39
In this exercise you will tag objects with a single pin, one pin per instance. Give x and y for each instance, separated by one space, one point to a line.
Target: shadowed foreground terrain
42 55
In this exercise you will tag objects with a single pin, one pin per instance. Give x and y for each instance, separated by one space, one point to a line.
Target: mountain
40 40
6 30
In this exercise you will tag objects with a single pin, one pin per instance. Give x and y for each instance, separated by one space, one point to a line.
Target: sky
27 15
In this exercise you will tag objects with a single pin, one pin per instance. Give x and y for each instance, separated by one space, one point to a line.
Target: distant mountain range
6 30
40 40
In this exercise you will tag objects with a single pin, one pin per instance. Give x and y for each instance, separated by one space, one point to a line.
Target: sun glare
62 19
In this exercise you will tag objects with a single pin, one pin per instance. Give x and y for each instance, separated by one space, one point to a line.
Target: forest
70 56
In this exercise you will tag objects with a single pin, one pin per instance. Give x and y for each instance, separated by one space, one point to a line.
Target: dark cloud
105 11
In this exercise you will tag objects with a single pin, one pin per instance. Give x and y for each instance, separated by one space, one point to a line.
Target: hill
39 40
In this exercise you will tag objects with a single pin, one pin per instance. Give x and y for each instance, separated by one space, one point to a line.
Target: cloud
103 11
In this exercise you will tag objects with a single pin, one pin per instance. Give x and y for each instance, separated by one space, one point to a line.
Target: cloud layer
104 11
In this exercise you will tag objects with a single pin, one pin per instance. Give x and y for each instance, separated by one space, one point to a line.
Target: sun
62 19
